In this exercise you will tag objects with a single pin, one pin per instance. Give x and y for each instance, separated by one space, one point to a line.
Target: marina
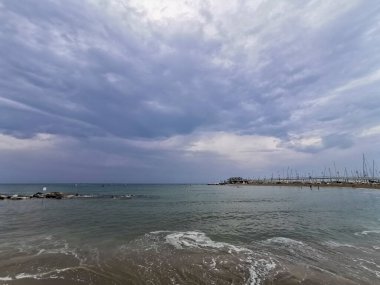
365 178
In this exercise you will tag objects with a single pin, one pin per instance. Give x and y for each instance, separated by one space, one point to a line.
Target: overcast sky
186 91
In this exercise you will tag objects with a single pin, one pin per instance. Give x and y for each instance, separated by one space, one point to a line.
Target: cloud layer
186 91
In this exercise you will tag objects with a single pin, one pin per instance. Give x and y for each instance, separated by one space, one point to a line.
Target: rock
17 197
13 197
54 195
3 197
39 195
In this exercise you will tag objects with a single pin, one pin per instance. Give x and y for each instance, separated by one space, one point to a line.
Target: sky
193 91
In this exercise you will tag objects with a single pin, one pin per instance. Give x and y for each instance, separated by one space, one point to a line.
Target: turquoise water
191 234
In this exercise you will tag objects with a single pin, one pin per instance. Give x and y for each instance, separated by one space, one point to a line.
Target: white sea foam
334 244
213 264
285 241
29 276
159 232
87 196
376 272
258 268
41 251
57 247
37 276
367 232
48 245
294 247
193 239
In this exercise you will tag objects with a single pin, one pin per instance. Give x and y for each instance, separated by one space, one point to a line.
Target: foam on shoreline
258 268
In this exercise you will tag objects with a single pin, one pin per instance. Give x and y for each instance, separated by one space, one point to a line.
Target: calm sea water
191 234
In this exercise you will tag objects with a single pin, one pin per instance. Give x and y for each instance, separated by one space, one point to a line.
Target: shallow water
191 234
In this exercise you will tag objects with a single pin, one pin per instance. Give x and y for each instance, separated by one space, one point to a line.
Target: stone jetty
58 196
38 195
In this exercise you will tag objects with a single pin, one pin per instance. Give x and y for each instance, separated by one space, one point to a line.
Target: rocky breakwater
61 195
38 195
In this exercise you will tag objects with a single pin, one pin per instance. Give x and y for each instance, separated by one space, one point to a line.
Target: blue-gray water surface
190 234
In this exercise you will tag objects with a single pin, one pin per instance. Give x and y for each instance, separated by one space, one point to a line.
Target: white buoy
44 189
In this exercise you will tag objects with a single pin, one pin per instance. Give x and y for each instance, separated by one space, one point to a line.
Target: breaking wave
189 255
367 232
258 268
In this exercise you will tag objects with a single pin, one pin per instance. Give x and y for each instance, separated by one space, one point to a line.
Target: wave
38 276
221 253
285 241
367 232
334 244
294 249
369 266
193 239
47 257
48 246
178 257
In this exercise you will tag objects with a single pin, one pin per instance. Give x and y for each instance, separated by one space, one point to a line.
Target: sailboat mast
373 169
364 167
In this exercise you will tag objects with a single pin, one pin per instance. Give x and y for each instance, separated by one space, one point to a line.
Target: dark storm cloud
70 60
116 82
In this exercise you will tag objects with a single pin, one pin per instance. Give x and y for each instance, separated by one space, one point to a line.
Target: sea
190 234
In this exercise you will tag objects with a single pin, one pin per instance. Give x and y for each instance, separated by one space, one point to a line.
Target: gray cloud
305 74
